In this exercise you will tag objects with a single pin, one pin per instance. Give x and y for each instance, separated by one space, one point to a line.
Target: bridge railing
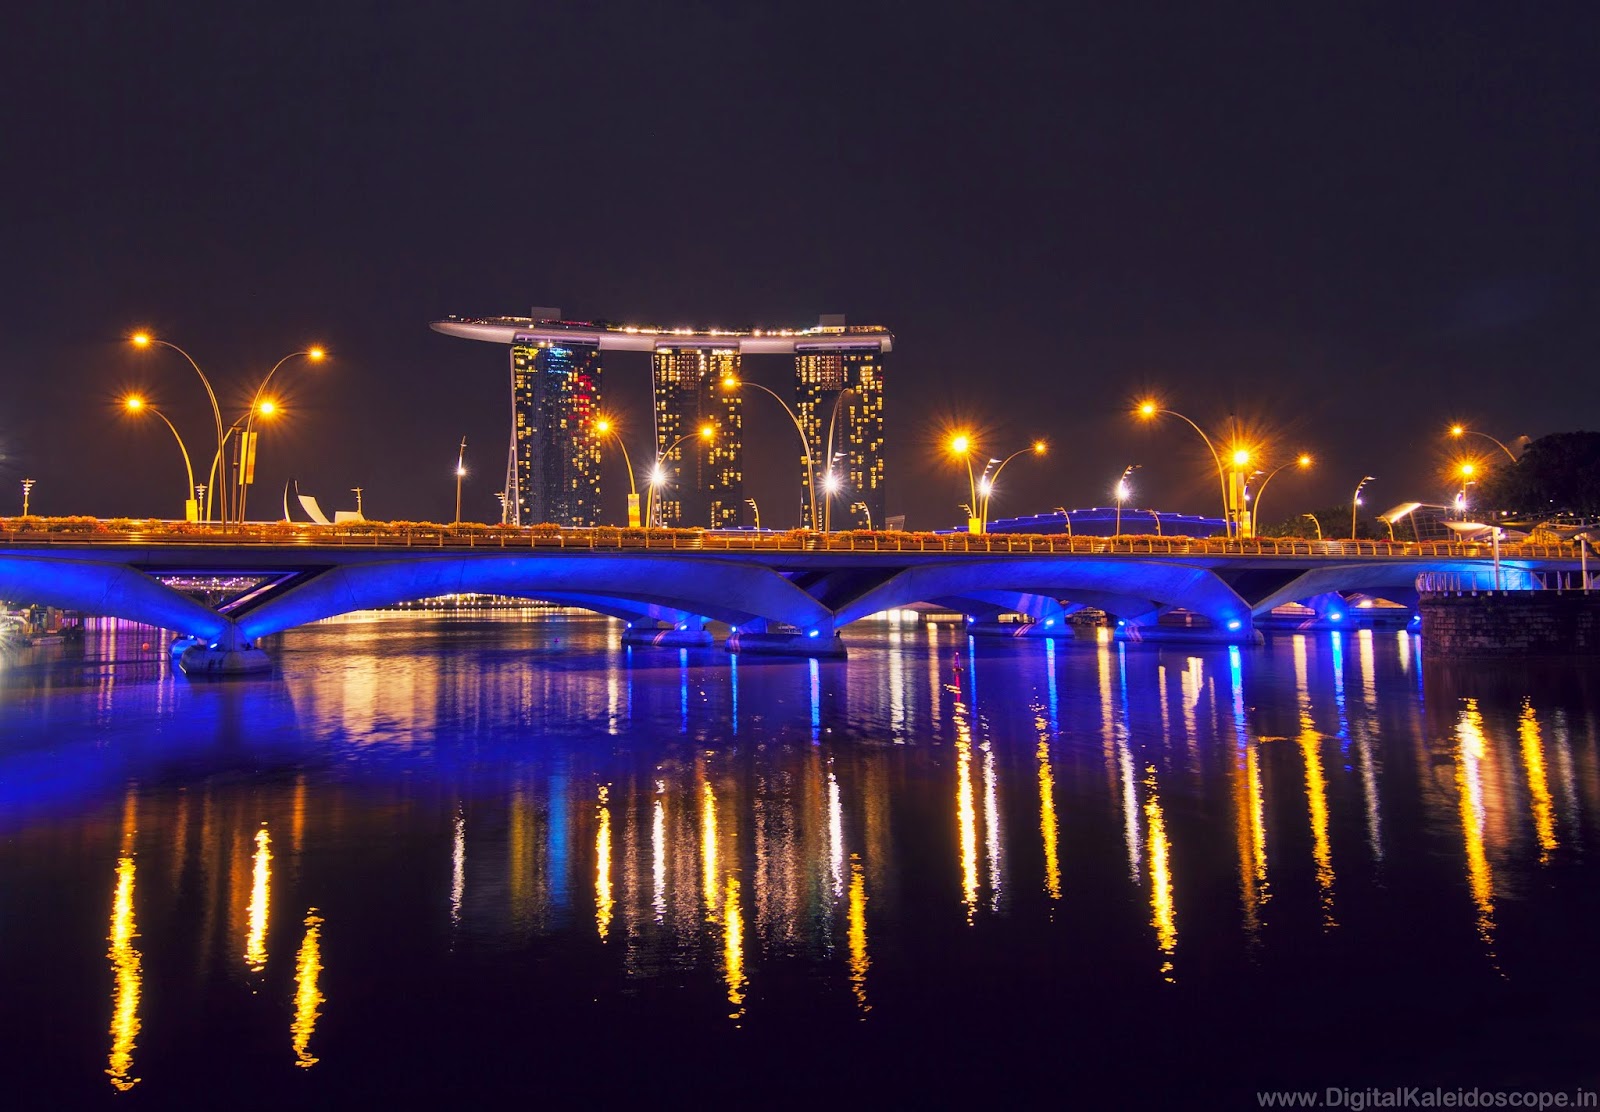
37 531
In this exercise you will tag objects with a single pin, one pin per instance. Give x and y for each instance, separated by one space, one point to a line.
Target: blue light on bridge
813 633
1234 624
1335 616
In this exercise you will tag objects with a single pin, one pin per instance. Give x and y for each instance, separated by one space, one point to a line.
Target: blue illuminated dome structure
1101 521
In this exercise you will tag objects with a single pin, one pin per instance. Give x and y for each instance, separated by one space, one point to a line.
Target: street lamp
27 489
1458 431
961 445
831 482
461 473
1315 522
133 403
756 510
658 473
143 340
831 485
1303 461
266 408
986 485
1122 492
604 427
731 383
1150 409
1355 500
247 448
862 506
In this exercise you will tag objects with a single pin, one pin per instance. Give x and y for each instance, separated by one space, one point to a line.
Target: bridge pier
229 655
688 632
757 637
1045 618
1229 631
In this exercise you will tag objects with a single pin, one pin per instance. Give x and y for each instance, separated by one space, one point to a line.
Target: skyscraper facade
553 473
702 481
839 401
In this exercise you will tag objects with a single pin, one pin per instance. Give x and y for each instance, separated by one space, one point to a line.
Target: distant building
839 389
839 401
553 470
704 481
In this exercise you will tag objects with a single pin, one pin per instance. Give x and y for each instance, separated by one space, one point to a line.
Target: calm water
465 858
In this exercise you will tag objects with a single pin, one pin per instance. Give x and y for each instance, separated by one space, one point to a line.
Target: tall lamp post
731 383
755 510
1122 492
27 489
266 408
961 445
986 484
191 504
461 473
144 340
246 451
1355 502
604 427
1303 461
658 473
1466 471
831 482
1315 522
862 506
1150 409
1458 431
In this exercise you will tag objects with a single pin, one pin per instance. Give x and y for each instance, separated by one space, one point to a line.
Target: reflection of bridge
777 592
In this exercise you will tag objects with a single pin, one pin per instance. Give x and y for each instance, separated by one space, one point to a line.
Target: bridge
776 592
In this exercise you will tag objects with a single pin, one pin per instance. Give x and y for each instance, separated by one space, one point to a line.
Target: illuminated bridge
775 592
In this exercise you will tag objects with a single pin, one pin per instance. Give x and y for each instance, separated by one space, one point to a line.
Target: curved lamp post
658 474
1458 431
831 483
604 427
987 482
246 472
1315 522
1303 461
1150 409
133 403
461 473
1355 501
266 408
731 383
144 340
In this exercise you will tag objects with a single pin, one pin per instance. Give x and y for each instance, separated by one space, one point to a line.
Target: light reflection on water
461 799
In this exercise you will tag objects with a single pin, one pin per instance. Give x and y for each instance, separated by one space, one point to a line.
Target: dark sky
1346 223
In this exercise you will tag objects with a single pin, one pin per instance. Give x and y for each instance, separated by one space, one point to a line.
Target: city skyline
695 475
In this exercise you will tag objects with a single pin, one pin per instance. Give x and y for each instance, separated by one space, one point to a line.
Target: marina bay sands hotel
553 467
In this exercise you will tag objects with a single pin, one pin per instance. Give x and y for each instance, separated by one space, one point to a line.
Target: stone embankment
1511 624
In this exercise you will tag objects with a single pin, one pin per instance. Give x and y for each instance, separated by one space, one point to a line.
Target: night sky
1347 224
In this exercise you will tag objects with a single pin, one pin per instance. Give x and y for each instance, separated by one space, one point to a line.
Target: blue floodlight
1336 616
1234 624
813 633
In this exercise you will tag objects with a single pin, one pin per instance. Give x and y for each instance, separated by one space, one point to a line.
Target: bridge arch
724 590
1132 589
1395 581
112 590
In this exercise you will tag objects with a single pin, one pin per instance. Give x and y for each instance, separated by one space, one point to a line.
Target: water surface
504 856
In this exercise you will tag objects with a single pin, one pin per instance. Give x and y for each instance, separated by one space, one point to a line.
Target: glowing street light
986 487
605 427
1123 491
247 446
134 404
961 445
1302 461
143 341
27 489
1150 409
658 473
731 383
1458 431
267 409
1355 501
461 473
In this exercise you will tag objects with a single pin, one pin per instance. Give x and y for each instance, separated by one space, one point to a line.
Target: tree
1556 474
1335 523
